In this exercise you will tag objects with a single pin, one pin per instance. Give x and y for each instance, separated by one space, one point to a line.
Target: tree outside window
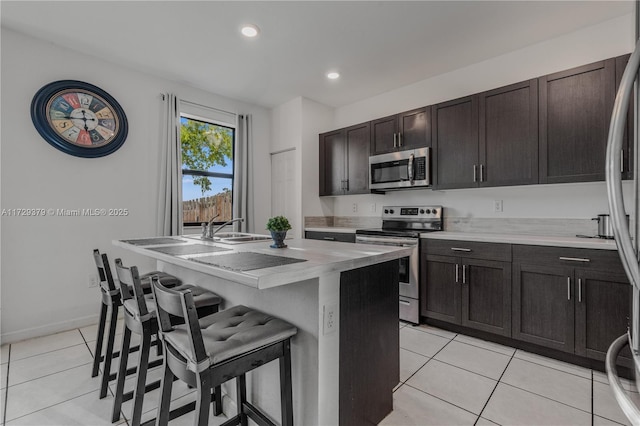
207 171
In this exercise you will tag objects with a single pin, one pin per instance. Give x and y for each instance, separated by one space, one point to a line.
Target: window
207 170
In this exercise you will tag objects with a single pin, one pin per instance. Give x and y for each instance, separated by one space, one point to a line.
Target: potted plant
278 225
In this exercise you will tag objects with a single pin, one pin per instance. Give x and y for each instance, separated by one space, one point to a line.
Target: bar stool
140 318
111 299
208 351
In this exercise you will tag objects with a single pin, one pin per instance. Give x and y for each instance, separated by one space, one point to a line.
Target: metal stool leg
286 397
97 354
109 353
122 373
143 363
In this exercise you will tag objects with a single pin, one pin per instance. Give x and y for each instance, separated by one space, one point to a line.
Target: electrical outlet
355 207
497 206
93 280
330 318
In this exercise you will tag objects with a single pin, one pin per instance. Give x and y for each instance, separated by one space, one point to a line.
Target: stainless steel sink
244 239
233 237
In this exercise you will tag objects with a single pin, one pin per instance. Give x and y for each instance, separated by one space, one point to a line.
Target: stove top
407 221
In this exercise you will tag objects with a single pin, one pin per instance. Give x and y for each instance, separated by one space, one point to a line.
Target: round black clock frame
79 118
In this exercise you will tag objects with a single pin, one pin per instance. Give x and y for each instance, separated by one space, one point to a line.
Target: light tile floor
446 378
452 379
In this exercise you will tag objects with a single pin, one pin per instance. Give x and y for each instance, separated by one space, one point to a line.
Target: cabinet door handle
575 259
457 272
346 185
580 290
622 161
399 139
404 302
481 172
467 250
475 173
464 274
329 238
568 288
395 140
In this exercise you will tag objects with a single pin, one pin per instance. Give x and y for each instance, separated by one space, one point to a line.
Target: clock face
79 119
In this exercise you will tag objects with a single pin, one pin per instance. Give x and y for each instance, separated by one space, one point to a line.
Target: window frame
191 172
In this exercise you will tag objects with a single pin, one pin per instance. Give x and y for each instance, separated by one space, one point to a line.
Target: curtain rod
201 106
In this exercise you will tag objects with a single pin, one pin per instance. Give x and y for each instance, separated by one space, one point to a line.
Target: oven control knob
386 211
421 211
428 211
391 211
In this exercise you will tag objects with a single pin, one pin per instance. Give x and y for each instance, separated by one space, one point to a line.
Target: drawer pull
461 249
568 288
575 259
404 302
457 272
464 274
329 238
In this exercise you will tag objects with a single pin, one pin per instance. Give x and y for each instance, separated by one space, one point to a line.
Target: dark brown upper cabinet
407 130
344 160
508 153
626 165
455 142
575 110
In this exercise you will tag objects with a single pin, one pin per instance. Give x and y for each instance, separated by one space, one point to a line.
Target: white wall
296 125
609 39
46 261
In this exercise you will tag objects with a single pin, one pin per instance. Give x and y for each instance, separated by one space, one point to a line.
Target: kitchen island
343 298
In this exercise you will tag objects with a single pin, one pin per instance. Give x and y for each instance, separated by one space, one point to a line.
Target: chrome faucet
206 226
213 233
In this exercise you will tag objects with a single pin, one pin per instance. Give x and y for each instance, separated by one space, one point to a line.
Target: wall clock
79 118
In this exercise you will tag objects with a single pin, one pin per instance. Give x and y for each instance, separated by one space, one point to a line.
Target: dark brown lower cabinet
602 312
542 307
475 293
573 300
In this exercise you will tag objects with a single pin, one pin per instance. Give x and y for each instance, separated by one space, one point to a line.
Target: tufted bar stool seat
233 332
110 295
205 352
140 318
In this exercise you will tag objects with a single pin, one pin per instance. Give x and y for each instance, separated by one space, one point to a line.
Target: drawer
468 249
345 237
568 256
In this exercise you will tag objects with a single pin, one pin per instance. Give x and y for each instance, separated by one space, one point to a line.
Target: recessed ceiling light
250 30
333 75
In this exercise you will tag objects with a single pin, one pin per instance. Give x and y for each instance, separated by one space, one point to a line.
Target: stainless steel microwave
400 170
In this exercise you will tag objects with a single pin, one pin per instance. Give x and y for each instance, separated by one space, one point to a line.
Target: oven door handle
386 240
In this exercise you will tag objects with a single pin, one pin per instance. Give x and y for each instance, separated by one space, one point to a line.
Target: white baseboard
30 333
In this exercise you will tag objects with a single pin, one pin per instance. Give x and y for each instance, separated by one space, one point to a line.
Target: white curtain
170 197
243 174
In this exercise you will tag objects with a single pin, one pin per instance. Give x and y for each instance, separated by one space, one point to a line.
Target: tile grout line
494 388
441 399
430 358
6 392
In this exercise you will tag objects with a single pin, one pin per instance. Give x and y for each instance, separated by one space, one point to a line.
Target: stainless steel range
402 226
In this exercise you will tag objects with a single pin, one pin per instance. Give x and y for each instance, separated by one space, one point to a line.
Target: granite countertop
313 258
538 240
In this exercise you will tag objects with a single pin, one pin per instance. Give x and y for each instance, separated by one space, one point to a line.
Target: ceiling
376 46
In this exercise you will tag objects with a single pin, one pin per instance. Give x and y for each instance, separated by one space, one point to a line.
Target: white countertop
537 240
322 257
332 229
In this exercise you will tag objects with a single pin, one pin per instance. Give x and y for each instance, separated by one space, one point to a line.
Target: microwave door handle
410 169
